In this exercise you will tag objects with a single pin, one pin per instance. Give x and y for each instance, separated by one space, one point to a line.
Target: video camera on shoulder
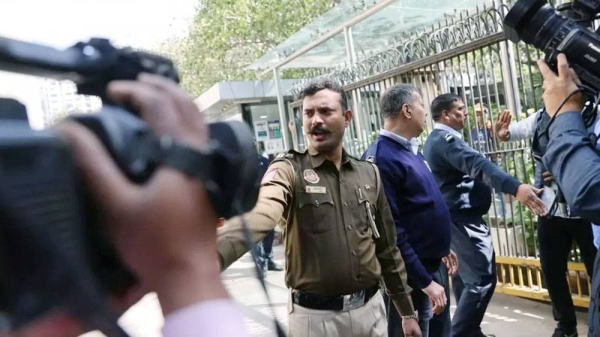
53 250
566 29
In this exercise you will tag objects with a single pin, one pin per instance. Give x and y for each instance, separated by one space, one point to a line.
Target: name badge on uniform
316 189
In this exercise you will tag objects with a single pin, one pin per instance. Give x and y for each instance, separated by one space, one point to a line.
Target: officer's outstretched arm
393 269
275 194
467 160
575 165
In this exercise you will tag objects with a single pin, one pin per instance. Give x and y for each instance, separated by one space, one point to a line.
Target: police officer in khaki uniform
340 238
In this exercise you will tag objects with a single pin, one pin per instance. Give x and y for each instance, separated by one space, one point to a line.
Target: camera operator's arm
570 155
165 229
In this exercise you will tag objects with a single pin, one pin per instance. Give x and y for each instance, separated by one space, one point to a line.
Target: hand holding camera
164 230
561 92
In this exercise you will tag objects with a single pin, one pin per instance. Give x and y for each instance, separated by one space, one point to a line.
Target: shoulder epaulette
291 154
448 137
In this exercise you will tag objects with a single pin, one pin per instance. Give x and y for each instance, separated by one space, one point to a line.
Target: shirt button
349 227
316 202
345 203
354 252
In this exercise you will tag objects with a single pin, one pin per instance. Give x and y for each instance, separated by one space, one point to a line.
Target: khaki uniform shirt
329 244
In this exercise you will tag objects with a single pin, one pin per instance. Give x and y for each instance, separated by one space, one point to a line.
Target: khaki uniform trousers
369 320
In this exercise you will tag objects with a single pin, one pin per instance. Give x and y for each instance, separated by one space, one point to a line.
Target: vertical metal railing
469 56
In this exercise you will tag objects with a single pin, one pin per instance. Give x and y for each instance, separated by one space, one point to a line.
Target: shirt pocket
316 212
364 212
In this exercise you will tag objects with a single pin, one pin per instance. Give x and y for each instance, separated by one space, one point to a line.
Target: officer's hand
548 177
164 230
437 296
411 328
451 262
502 123
528 195
558 88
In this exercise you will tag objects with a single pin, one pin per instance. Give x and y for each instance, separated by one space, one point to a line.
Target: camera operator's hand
528 195
165 230
502 124
558 87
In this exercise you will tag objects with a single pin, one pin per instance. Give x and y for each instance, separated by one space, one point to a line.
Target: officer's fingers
108 186
536 205
154 106
546 72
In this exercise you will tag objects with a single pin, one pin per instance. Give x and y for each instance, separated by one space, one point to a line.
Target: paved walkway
506 316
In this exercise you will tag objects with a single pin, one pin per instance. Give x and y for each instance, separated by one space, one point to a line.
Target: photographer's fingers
189 113
546 72
562 66
108 186
574 76
154 106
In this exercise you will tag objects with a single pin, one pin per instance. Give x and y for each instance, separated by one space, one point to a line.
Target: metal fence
468 55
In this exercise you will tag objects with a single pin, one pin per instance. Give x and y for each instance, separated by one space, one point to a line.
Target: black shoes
272 266
561 333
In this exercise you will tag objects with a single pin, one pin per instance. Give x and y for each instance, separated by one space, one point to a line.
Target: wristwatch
414 316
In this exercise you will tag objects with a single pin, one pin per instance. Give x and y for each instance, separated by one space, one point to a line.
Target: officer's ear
348 117
446 114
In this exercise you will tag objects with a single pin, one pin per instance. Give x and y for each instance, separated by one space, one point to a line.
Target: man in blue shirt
464 177
422 218
572 159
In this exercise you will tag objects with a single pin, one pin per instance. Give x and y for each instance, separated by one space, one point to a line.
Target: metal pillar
281 107
356 101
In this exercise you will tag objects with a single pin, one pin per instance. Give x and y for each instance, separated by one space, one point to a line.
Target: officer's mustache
318 129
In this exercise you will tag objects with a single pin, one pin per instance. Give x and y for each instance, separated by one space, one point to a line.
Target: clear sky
61 23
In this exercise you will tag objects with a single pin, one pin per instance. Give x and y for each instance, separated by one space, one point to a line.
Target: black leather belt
333 303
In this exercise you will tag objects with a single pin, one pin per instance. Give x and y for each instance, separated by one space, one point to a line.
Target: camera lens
533 21
538 24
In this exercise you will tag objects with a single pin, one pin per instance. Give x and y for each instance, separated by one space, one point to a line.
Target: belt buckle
354 301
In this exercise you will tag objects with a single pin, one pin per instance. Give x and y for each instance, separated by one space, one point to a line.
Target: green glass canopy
375 33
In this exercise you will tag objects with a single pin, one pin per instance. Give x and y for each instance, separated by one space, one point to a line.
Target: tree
226 36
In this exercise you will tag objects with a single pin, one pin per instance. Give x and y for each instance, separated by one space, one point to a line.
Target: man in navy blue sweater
422 218
464 177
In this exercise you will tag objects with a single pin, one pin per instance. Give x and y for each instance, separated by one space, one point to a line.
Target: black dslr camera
538 24
53 251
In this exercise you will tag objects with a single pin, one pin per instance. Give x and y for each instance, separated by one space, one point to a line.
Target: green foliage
226 36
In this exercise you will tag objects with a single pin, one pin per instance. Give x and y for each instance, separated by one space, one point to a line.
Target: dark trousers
556 237
475 282
264 251
441 325
436 326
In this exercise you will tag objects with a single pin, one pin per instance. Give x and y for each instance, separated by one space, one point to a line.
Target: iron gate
467 55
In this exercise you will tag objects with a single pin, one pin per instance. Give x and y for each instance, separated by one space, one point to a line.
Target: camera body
538 24
54 252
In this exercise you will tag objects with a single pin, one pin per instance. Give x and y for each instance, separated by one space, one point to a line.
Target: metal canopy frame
331 33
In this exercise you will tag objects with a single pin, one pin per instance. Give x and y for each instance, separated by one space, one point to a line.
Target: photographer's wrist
188 283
